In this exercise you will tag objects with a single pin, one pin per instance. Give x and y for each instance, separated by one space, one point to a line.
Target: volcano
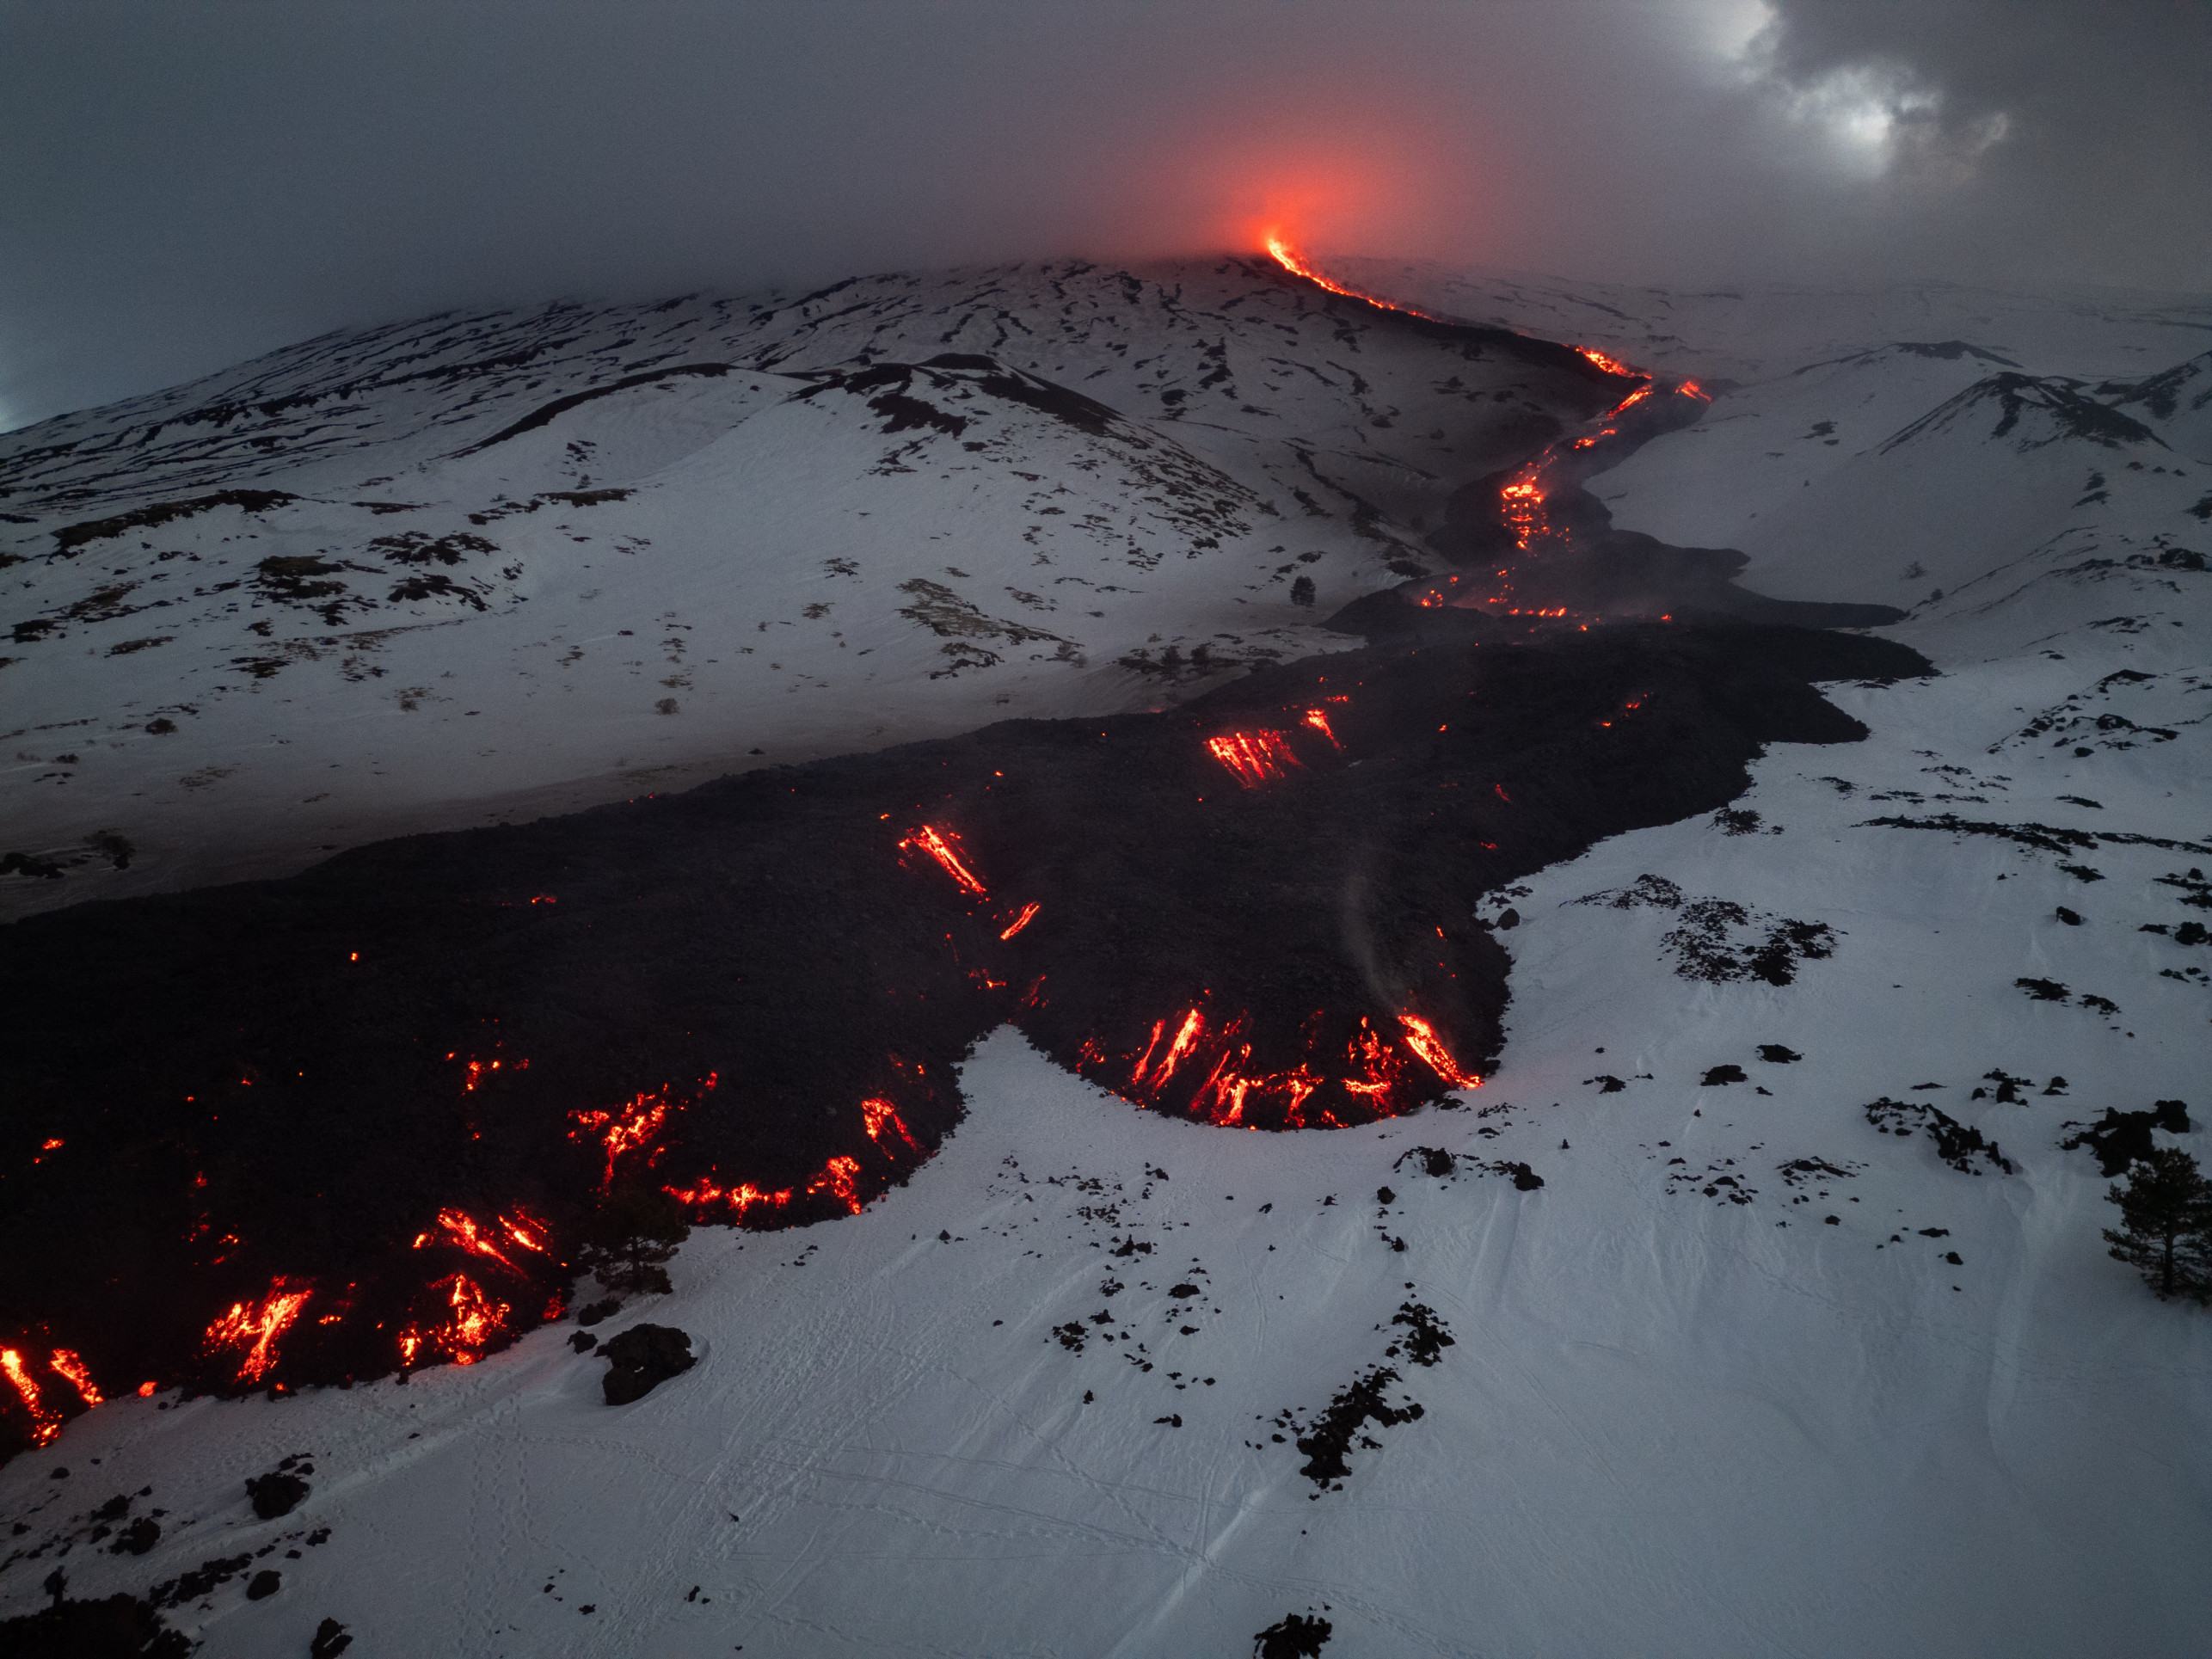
1239 899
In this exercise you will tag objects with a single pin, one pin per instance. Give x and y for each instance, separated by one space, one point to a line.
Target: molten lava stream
1280 249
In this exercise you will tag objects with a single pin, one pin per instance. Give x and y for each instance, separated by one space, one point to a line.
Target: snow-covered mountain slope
1807 1342
469 568
1759 330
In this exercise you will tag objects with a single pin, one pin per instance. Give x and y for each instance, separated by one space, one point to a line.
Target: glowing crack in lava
1253 758
251 1329
471 1327
944 846
1281 250
1028 913
45 1422
629 1127
1216 1062
1318 719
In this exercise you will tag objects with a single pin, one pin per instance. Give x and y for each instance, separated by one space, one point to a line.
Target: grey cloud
181 185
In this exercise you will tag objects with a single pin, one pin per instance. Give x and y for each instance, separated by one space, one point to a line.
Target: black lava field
361 1114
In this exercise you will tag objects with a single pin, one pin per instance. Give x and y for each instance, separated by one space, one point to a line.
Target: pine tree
2165 1230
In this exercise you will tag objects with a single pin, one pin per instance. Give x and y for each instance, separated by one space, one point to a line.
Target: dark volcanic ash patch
316 1128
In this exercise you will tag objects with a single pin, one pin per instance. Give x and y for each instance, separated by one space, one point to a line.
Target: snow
708 562
1667 1426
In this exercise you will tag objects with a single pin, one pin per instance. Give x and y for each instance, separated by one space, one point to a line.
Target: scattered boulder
642 1358
277 1493
1775 1054
264 1584
140 1536
1720 1074
331 1639
1294 1636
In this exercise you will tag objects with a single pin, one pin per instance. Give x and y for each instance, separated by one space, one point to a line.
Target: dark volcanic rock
119 1627
641 1358
1294 1636
264 1584
331 1639
322 1066
2119 1138
277 1493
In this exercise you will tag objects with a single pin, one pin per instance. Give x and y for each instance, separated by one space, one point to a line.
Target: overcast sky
186 183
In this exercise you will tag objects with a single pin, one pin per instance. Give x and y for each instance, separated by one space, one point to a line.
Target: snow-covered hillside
1779 1318
486 566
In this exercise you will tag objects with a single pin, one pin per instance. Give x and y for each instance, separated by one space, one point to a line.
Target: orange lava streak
1296 263
1422 1038
528 1232
65 1362
462 1231
45 1422
465 1333
1252 757
877 1113
253 1329
1318 719
1186 1039
1610 365
1028 913
941 844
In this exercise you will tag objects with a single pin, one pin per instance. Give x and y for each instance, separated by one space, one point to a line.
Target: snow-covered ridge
480 566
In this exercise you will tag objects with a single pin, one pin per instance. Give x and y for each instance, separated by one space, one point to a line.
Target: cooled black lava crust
271 1079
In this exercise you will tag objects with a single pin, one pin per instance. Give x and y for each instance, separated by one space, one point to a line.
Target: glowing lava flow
1297 264
1252 757
1318 719
465 1332
944 846
1028 913
1610 365
1522 499
252 1328
79 1374
1422 1038
45 1422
